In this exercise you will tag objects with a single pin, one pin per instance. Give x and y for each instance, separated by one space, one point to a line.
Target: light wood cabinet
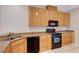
67 38
66 19
45 42
42 43
63 18
52 15
43 17
33 16
48 42
49 7
38 16
60 18
72 36
17 46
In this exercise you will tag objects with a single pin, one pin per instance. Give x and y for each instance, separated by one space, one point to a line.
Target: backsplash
42 29
37 29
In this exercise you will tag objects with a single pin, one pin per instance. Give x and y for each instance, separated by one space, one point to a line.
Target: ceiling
64 8
67 7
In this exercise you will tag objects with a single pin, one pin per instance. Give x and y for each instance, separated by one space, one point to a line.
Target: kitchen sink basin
10 37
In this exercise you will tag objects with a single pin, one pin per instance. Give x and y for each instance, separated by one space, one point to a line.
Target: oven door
56 39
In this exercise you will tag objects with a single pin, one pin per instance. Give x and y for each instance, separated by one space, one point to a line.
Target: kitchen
35 34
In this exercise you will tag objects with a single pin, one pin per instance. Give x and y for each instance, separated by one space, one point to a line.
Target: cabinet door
31 10
60 18
43 17
42 43
66 19
19 46
48 42
52 15
72 37
33 16
66 39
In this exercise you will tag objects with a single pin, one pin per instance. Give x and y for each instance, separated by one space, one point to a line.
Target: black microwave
53 23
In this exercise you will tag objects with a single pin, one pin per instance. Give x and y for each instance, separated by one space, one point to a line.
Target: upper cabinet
52 8
66 19
52 12
33 16
43 17
52 15
63 18
40 16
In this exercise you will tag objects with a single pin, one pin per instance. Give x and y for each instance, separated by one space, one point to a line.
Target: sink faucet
10 34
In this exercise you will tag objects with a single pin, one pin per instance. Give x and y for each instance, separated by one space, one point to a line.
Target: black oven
53 23
56 40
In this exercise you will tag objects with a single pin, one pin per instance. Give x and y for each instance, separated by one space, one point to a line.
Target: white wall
75 24
0 18
14 18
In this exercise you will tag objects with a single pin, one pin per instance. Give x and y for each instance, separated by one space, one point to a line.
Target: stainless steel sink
10 37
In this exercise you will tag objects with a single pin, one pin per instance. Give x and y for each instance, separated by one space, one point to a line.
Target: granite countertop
65 31
5 43
36 33
27 34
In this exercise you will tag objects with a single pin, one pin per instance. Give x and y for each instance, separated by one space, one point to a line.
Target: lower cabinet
37 44
48 42
17 46
42 43
67 38
72 36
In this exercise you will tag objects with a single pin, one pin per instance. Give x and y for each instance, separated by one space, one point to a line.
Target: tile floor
67 49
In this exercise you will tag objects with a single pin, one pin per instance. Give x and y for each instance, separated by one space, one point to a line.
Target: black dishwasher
33 44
